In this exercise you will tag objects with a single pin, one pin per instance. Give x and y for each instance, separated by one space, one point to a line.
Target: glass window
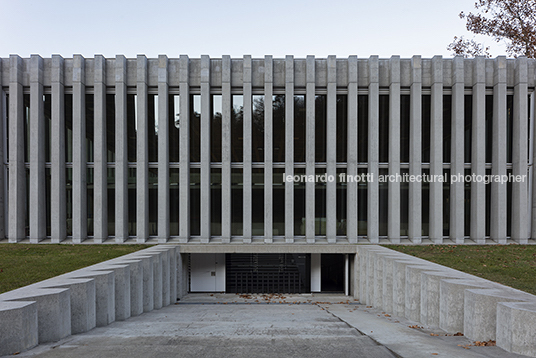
320 127
404 128
299 128
257 211
195 202
237 128
342 128
90 127
68 104
89 191
111 201
152 127
426 117
215 202
174 199
132 201
110 127
320 204
195 128
341 204
132 126
384 129
257 137
299 204
237 203
362 130
174 127
468 122
153 201
278 102
215 128
279 202
447 127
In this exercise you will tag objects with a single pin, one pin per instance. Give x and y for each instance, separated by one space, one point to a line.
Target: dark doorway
268 273
332 272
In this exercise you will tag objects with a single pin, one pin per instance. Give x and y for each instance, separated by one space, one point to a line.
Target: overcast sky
236 28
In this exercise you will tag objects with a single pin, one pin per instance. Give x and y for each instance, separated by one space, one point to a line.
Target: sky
235 28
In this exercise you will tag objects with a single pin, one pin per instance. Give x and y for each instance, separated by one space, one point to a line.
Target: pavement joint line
326 308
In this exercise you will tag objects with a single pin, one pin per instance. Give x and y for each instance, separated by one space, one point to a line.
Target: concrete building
267 172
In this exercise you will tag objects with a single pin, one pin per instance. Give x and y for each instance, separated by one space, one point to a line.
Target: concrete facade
107 121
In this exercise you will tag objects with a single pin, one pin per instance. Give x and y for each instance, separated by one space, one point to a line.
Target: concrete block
399 285
136 283
480 311
53 310
83 301
412 297
104 293
121 287
18 326
516 327
451 301
430 281
148 279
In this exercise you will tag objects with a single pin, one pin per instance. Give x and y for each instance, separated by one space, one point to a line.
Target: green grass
510 265
24 264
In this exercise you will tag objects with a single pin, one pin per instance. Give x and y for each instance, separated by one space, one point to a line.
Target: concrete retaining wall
436 296
97 295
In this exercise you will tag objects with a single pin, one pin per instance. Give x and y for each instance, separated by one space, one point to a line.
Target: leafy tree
512 21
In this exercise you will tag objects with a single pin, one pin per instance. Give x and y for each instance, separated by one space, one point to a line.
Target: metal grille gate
268 273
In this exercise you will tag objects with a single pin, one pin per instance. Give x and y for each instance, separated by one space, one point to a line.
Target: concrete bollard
399 285
430 281
83 301
451 301
104 293
18 326
122 288
516 327
53 310
480 311
412 297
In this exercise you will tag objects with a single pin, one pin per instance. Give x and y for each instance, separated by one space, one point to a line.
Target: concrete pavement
228 325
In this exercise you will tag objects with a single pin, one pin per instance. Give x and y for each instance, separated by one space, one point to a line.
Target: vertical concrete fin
268 147
393 207
498 156
310 148
142 151
331 151
289 148
352 156
206 117
121 150
373 191
478 150
436 153
79 151
163 150
184 181
37 207
520 127
226 146
17 173
100 165
457 216
247 171
415 151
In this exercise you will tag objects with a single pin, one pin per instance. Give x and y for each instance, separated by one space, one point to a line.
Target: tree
512 21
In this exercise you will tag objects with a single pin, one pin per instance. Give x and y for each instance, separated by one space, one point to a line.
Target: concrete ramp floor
228 325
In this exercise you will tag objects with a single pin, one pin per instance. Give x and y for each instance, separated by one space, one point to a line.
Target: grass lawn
510 265
24 264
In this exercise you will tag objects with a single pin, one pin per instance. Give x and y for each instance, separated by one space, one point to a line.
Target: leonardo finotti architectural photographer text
405 178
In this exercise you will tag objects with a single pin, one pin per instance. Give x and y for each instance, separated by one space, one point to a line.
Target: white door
207 272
